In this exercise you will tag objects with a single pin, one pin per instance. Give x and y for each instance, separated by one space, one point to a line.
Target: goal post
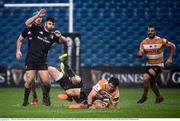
33 5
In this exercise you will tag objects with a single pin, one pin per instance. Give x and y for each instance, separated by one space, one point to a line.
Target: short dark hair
152 26
114 81
49 18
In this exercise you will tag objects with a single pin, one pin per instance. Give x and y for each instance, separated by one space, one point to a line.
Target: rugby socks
146 89
43 91
34 94
144 96
46 99
155 89
26 96
47 89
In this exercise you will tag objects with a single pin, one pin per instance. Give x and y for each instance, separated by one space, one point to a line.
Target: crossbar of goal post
32 5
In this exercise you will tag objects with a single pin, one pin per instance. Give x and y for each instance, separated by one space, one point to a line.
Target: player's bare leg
55 73
75 92
155 88
29 78
44 76
149 77
146 86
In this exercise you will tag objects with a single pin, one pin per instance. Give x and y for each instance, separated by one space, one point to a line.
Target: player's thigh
54 73
44 76
149 74
73 92
152 72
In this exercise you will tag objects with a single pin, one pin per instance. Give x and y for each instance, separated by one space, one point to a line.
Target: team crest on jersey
41 32
29 32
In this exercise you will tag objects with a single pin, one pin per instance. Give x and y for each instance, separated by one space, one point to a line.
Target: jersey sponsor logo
105 94
43 39
152 46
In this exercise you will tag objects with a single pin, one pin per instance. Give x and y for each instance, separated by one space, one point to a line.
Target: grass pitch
11 106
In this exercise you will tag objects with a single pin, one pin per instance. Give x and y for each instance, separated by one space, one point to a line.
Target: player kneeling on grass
105 94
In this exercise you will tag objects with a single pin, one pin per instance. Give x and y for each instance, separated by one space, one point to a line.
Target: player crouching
105 94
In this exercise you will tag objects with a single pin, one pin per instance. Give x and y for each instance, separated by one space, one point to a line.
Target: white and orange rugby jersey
153 48
101 86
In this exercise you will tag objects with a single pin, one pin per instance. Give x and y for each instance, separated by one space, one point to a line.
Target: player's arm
141 51
91 95
19 43
18 47
172 50
30 21
60 37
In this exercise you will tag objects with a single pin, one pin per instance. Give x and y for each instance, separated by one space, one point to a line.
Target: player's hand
18 55
57 33
42 12
169 61
62 39
140 54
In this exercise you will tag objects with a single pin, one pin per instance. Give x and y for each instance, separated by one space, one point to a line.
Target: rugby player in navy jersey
36 61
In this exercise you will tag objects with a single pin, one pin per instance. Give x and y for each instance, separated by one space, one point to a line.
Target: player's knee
76 79
146 78
46 82
69 92
51 69
28 78
27 84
